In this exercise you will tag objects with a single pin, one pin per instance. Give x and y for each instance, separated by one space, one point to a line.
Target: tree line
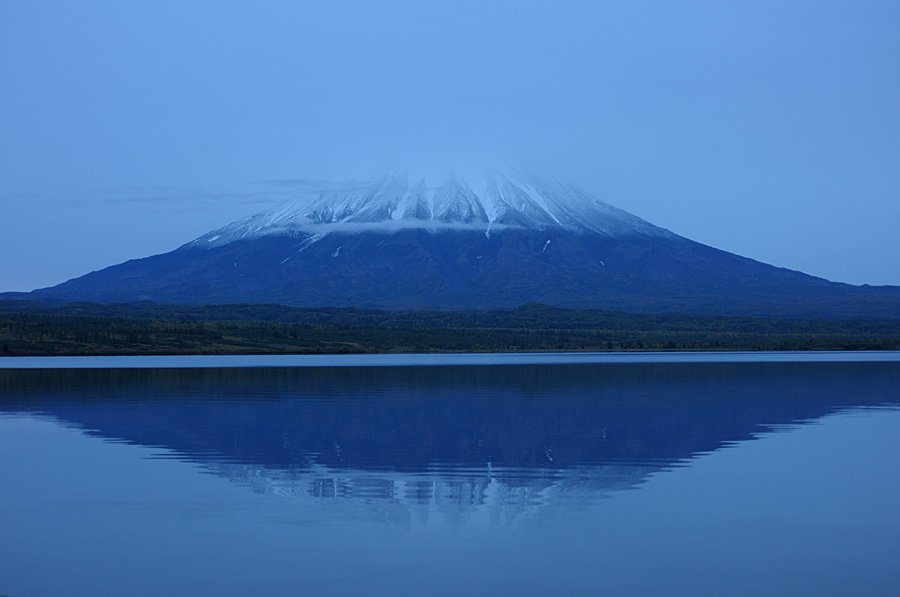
150 328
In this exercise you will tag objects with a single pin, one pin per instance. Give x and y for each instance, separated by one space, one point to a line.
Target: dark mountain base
418 269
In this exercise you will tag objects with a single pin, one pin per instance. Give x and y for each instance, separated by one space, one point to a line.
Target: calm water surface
766 475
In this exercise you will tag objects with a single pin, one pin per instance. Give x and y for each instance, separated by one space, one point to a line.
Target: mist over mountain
450 240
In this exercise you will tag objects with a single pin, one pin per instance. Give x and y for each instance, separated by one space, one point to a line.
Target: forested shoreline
31 329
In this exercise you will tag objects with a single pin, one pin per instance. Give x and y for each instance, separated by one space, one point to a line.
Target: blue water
707 475
436 360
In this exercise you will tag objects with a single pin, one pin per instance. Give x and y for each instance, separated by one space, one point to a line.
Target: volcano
494 240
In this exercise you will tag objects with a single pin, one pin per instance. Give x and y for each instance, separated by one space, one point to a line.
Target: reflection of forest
455 439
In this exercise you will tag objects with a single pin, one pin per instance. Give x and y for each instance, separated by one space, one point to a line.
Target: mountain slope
401 242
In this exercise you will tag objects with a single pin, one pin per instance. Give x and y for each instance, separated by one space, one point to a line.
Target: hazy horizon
768 130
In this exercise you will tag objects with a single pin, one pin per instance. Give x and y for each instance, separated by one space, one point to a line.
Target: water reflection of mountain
457 439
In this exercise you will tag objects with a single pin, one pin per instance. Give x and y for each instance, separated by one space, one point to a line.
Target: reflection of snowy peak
442 495
401 200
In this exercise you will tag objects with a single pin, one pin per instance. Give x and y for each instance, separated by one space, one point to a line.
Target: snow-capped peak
402 199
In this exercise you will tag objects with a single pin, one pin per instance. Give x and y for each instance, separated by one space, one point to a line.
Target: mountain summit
499 239
489 201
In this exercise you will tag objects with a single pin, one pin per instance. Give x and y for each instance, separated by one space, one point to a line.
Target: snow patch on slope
398 200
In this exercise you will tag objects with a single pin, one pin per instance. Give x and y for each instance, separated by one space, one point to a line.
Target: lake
700 474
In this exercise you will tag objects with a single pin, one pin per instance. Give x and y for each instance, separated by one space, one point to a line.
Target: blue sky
769 129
